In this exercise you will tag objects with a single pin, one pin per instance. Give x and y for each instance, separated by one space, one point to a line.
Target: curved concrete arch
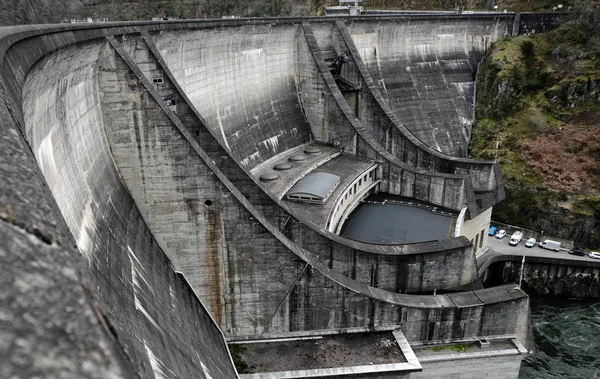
435 62
384 249
344 281
428 246
414 249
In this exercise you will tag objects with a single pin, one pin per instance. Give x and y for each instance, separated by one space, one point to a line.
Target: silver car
530 242
594 254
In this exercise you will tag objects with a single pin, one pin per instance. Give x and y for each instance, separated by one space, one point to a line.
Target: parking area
501 246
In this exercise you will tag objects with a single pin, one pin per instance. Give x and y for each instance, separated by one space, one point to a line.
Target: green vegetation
458 348
45 11
241 365
537 113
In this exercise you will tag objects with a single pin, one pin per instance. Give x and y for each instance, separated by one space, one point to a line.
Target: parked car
501 234
579 252
594 254
550 245
516 238
492 231
530 242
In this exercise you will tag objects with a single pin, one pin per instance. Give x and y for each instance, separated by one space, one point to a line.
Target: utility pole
521 274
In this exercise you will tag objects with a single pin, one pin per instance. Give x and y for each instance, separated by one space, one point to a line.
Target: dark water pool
567 339
396 223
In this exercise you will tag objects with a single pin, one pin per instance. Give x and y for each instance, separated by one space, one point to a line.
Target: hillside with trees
14 12
538 114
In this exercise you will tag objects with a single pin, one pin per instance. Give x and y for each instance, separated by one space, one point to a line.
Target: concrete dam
172 187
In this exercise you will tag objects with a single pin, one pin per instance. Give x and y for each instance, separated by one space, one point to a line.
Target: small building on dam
254 198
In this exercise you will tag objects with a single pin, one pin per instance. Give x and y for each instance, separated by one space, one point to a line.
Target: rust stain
213 253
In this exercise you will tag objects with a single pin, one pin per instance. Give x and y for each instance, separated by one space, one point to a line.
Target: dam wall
400 140
343 128
391 268
116 191
40 265
370 116
241 80
176 201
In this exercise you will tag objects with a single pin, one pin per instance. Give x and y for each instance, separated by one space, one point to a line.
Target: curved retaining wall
404 143
344 128
149 306
382 129
347 201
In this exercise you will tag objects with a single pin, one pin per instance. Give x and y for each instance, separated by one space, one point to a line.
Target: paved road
501 246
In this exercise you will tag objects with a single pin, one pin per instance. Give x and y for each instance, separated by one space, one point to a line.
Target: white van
515 238
550 245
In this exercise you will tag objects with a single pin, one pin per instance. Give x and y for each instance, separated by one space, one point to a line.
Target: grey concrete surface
132 275
484 175
428 77
241 80
342 127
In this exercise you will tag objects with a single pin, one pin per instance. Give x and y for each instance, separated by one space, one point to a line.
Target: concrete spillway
146 136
